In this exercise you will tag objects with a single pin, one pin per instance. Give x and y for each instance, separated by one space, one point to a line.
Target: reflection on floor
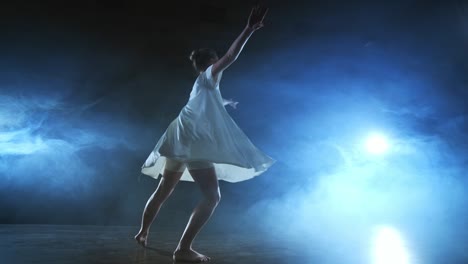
61 244
95 244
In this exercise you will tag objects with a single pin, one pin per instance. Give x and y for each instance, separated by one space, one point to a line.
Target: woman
203 144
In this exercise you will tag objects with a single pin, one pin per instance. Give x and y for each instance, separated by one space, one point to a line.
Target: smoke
418 187
46 140
336 193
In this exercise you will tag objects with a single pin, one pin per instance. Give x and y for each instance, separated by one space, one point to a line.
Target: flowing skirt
234 156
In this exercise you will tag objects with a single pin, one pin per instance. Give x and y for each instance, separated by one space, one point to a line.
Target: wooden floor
115 245
58 244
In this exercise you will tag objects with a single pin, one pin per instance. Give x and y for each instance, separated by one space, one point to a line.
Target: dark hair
201 58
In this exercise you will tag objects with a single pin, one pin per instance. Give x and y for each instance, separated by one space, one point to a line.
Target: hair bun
202 57
193 56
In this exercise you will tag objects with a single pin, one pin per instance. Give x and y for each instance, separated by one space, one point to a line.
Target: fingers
252 12
265 13
233 104
258 9
259 13
255 9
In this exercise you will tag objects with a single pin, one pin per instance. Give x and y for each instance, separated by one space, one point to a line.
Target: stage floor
115 245
66 244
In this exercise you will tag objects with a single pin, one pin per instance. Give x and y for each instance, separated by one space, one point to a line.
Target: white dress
204 131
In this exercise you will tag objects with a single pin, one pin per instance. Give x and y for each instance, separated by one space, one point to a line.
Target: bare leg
208 182
166 185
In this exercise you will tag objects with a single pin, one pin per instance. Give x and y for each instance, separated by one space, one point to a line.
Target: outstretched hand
231 102
257 14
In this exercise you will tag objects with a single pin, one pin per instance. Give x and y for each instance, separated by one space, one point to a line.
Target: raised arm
254 23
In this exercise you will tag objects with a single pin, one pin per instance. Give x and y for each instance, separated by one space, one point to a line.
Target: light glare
389 247
377 144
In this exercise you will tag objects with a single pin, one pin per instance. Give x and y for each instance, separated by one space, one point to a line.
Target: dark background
87 88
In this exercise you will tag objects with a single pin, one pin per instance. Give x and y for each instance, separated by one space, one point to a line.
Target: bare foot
141 238
189 255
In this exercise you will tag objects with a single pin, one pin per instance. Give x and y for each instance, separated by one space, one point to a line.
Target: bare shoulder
211 75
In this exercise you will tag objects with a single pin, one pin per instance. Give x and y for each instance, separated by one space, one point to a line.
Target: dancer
203 144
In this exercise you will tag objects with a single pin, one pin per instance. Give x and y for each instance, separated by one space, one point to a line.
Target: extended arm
230 102
254 23
226 102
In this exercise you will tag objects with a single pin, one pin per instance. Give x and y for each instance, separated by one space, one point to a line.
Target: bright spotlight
389 247
377 144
